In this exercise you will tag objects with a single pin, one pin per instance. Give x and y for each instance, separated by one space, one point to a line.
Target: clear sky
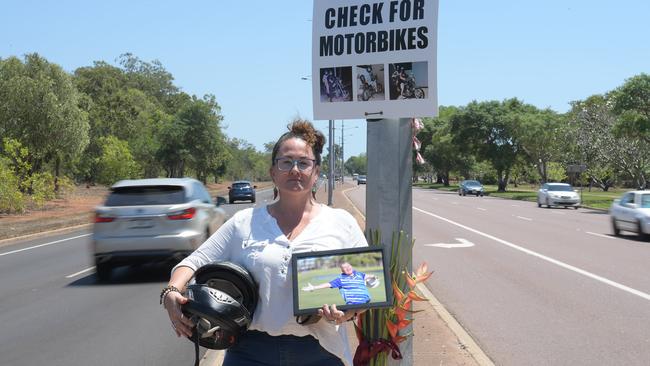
252 54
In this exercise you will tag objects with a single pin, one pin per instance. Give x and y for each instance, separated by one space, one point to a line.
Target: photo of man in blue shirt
351 284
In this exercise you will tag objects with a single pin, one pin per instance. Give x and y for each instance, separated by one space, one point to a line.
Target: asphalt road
535 286
53 312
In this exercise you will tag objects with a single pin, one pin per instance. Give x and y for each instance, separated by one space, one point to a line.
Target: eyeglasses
286 164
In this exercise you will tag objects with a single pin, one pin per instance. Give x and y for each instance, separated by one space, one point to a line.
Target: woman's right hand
182 325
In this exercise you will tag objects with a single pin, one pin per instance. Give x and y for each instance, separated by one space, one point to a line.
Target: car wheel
539 204
253 200
464 194
459 193
615 228
231 201
576 207
103 271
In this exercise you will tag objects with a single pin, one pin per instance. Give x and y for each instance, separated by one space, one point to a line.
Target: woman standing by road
262 239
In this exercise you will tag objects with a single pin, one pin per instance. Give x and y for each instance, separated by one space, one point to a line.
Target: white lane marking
43 245
463 244
525 218
481 208
80 272
543 257
600 235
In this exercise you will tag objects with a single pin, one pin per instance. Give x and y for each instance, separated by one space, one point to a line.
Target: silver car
152 219
558 194
631 212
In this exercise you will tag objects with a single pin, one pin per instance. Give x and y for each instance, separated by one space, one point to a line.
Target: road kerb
463 337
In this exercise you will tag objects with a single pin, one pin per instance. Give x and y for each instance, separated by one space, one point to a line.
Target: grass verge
595 199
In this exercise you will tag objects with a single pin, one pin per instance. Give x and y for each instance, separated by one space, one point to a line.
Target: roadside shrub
11 199
66 187
116 161
42 188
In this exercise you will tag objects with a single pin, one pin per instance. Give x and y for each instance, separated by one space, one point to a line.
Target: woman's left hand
335 316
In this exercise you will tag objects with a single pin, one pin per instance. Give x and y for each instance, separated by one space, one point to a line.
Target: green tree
489 130
631 103
602 149
205 143
116 161
39 106
542 136
357 164
11 198
439 148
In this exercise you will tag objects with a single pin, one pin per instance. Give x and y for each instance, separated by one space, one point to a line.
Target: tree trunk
57 169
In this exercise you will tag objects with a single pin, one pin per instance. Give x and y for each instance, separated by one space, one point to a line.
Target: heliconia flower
414 296
421 273
410 281
392 328
399 295
403 323
399 339
400 312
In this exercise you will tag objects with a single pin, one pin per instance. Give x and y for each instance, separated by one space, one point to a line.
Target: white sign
374 59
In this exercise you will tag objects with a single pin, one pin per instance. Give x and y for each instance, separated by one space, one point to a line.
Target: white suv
152 219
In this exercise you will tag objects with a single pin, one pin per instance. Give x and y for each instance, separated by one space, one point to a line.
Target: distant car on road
361 179
631 212
152 219
471 187
558 194
241 190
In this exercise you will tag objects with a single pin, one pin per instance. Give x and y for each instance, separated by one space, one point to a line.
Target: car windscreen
472 183
146 196
241 185
560 188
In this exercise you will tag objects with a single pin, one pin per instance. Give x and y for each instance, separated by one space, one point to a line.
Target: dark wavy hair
305 131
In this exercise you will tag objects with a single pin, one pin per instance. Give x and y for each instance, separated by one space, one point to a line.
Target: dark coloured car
470 187
241 190
361 179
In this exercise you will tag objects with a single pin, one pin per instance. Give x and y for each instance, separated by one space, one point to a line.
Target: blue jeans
259 348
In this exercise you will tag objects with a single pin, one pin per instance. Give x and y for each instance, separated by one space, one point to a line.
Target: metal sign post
389 199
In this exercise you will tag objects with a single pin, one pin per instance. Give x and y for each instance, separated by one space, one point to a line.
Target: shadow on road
146 273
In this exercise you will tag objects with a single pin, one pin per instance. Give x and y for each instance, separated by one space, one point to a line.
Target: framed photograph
356 278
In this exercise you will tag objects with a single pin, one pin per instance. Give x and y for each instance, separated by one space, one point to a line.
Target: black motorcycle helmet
221 302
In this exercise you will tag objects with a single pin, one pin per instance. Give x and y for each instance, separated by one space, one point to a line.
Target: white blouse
253 239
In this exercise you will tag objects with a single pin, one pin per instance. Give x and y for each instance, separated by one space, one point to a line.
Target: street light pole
342 156
330 179
330 175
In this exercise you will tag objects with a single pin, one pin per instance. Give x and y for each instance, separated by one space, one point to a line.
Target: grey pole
330 176
342 154
389 201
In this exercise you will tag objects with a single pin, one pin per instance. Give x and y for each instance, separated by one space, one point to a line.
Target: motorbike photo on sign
370 86
408 80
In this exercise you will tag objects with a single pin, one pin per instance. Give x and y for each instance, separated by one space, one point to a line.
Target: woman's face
295 180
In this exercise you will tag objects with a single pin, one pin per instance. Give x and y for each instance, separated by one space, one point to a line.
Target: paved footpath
438 339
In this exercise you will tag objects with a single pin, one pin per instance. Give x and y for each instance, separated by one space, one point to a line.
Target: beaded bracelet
166 290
